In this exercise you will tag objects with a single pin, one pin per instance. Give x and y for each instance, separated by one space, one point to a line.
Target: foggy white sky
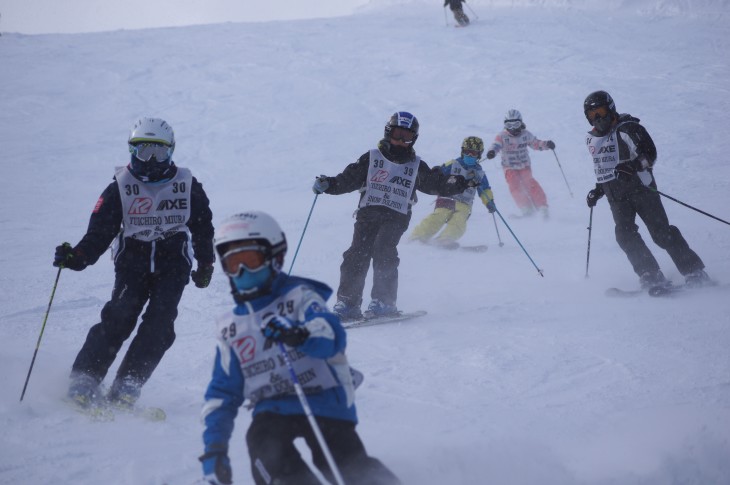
75 16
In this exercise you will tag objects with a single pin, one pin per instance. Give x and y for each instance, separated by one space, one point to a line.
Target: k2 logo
140 205
380 176
246 348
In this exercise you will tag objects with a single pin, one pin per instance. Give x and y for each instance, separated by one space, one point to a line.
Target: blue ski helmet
402 119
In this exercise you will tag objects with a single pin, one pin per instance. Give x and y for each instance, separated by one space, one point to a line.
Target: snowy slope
512 378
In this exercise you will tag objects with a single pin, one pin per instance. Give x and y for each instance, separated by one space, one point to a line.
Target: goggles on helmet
145 151
402 134
513 124
596 113
249 258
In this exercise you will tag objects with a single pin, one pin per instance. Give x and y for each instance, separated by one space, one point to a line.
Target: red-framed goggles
249 258
402 134
471 153
146 150
596 113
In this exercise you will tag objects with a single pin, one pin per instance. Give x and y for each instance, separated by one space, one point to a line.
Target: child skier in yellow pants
453 212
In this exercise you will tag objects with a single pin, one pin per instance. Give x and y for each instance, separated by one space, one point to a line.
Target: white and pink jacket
514 148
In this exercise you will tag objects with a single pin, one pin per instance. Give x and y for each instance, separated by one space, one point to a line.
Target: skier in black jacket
623 159
155 210
387 177
458 11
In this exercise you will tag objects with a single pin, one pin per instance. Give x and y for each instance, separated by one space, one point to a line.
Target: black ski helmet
597 99
402 119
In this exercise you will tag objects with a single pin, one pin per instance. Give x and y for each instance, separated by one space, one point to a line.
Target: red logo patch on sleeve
98 205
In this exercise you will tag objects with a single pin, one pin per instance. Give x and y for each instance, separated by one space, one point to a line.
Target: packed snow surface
511 378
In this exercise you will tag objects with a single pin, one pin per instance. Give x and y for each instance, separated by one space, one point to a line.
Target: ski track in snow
511 378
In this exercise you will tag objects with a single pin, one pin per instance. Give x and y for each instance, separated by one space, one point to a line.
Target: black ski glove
594 195
550 144
201 276
625 171
216 465
321 184
491 154
280 329
69 257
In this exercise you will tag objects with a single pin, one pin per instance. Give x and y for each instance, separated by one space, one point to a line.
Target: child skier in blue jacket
453 211
273 308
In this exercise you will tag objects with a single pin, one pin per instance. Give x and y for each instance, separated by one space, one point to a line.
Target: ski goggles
402 134
513 124
145 151
248 258
596 113
471 153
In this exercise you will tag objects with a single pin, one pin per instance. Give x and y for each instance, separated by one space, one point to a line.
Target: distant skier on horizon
458 11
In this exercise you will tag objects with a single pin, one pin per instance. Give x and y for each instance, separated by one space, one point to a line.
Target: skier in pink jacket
513 142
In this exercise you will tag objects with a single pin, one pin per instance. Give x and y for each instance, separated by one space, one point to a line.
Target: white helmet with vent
254 226
513 121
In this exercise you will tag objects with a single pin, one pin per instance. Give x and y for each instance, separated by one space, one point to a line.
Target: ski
479 248
147 413
453 246
659 291
618 292
101 410
94 411
664 290
369 322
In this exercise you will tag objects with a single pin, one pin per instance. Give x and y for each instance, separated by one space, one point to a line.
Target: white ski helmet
513 121
257 227
151 130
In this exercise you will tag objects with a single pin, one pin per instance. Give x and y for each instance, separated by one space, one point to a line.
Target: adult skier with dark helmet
387 177
623 159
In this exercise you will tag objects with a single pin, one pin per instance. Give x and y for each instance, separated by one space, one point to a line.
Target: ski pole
310 416
303 231
38 344
561 171
590 228
687 205
539 271
494 218
446 21
472 11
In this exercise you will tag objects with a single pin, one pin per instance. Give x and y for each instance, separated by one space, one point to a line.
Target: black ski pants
275 459
629 199
161 291
376 236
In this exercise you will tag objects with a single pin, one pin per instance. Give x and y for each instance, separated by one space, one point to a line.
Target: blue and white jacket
458 167
245 370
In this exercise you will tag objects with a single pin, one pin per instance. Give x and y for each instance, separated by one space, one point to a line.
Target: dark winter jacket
636 146
636 134
429 181
454 4
106 222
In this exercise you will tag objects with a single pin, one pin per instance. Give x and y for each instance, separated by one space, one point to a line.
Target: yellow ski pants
455 221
